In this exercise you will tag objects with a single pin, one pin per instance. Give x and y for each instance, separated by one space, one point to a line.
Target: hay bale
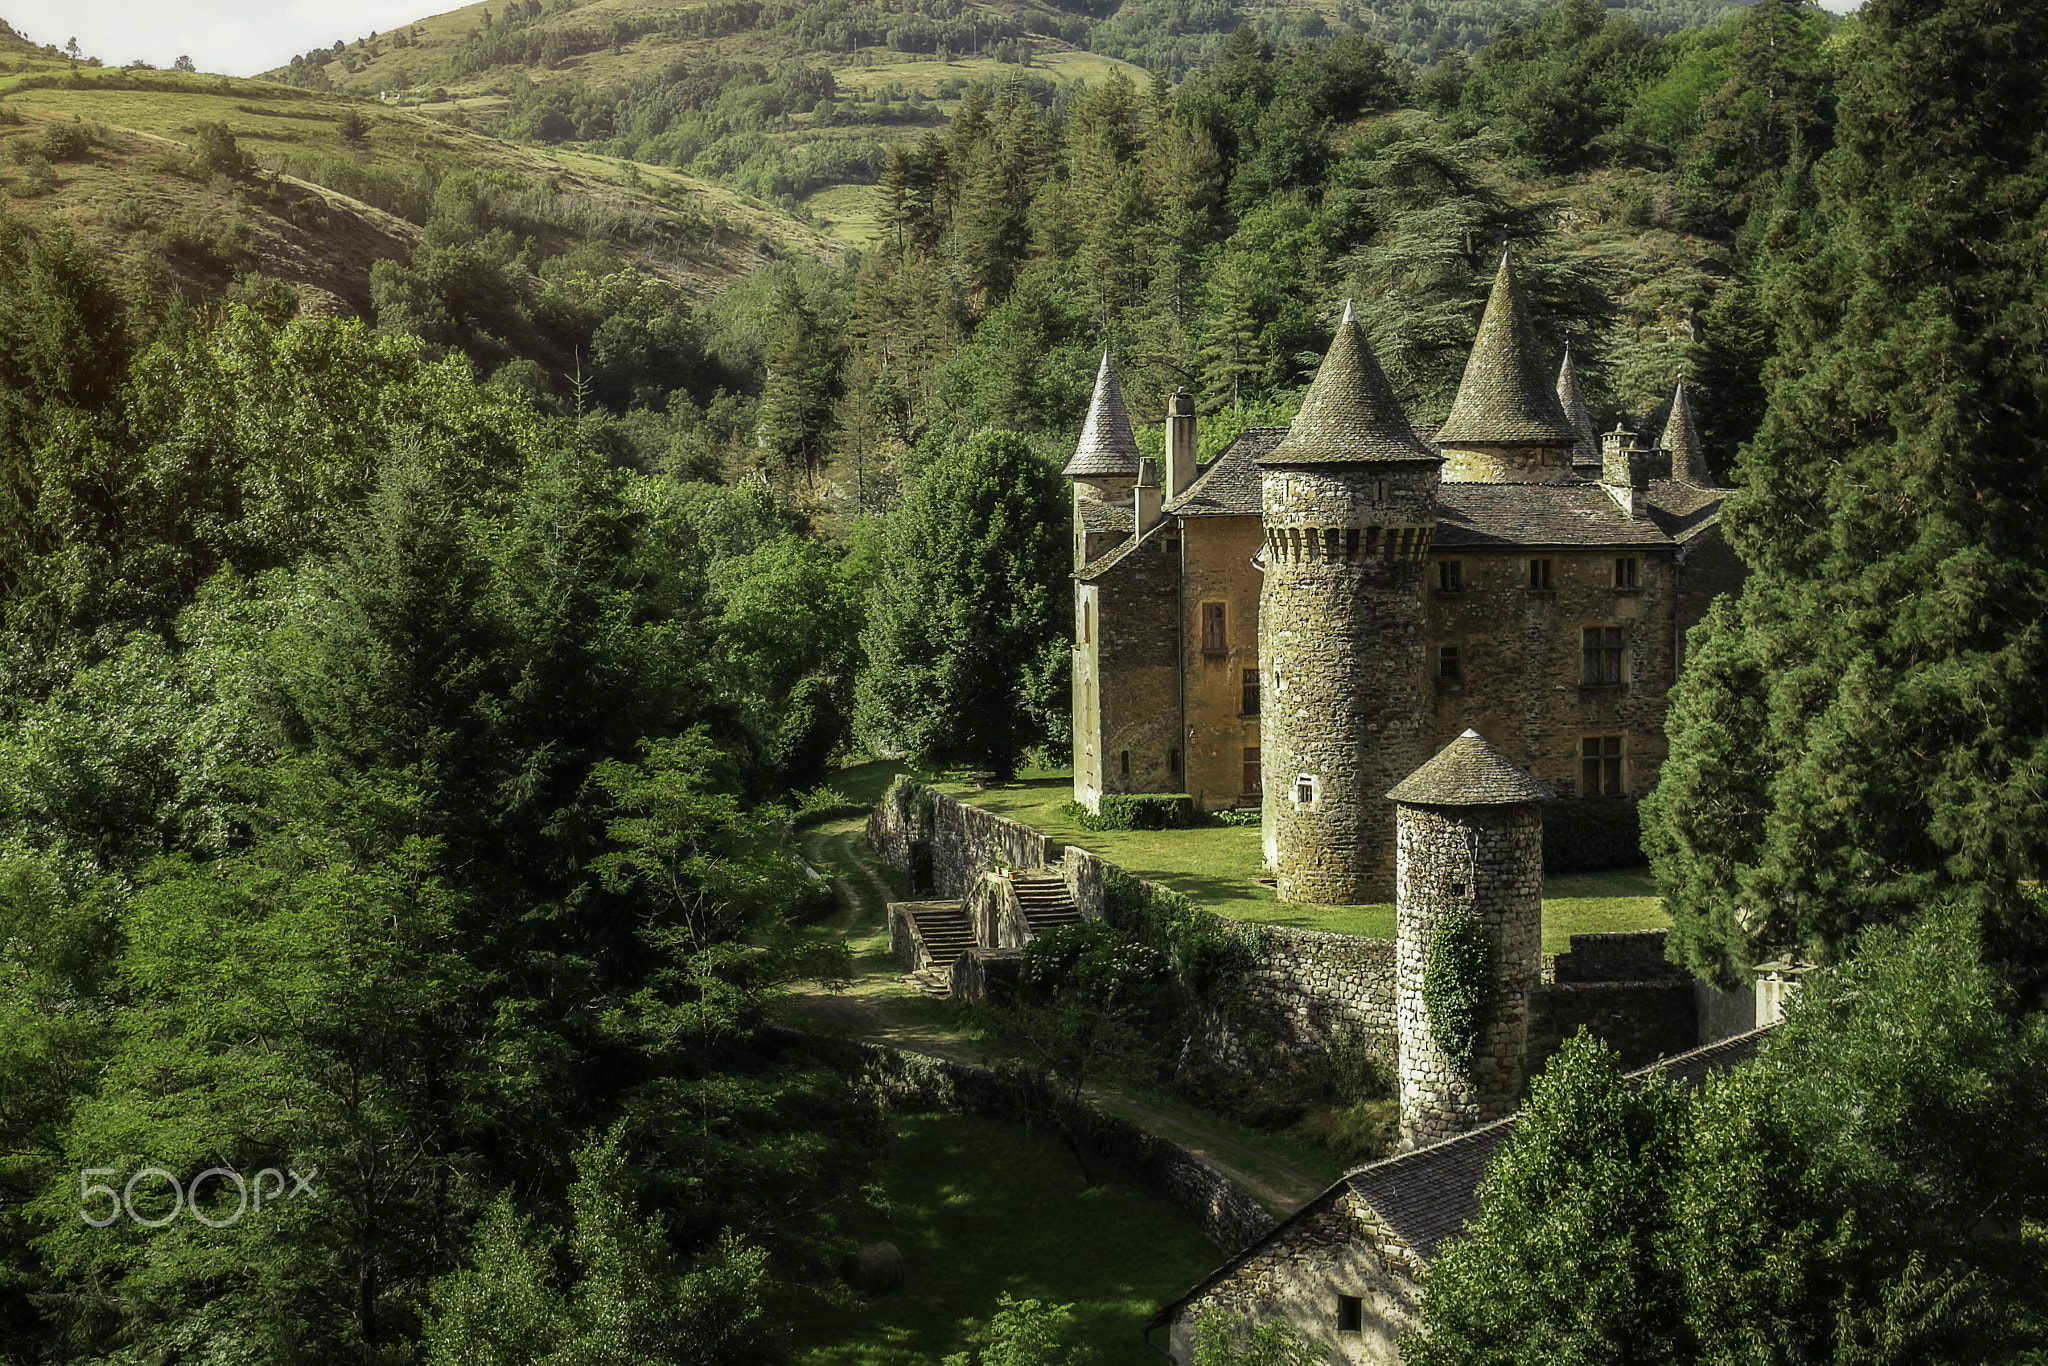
873 1269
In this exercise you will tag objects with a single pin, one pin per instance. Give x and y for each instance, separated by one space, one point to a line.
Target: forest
405 710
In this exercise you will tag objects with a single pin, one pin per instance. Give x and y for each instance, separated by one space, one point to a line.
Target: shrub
128 215
1589 835
1095 961
1240 817
214 151
65 142
1146 811
36 178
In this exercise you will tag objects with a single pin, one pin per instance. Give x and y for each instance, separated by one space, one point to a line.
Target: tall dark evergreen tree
1868 725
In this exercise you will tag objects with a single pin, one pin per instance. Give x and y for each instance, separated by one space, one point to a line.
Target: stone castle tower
1349 499
1507 425
1470 839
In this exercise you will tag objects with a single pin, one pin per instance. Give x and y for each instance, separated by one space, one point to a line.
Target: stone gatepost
1469 849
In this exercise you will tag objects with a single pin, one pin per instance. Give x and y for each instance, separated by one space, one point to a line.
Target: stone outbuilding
1346 1268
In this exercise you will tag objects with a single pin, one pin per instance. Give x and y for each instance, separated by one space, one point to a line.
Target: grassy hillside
316 207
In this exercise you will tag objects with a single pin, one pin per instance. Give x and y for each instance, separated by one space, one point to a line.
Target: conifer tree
1867 726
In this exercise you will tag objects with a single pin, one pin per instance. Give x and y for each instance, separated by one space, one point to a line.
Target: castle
1322 607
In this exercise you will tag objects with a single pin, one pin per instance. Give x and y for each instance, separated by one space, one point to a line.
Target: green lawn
1220 868
979 1208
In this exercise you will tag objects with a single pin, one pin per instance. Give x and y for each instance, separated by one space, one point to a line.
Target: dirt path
870 1010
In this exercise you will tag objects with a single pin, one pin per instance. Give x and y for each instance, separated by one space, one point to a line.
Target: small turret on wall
1469 909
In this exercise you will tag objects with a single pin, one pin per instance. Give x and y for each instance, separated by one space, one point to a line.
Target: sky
234 37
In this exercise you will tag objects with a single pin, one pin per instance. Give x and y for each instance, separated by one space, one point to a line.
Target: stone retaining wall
1629 956
918 1082
1310 988
966 841
1642 1021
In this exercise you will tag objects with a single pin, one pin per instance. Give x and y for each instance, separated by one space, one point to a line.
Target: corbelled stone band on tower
1350 506
1470 839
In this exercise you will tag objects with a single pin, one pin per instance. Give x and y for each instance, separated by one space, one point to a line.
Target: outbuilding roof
1229 485
1349 415
1469 772
1428 1196
1507 396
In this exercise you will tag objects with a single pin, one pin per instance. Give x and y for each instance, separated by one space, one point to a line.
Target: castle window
1125 762
1173 761
1447 662
1305 791
1625 572
1539 574
1254 784
1213 634
1251 692
1379 491
1449 576
1350 1314
1602 655
1600 766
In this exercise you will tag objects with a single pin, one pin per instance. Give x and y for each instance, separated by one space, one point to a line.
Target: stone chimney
1625 469
1149 496
1180 443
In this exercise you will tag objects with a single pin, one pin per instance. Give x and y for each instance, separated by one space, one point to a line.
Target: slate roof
1349 415
1106 445
1469 772
1506 397
1427 1196
1562 514
1100 516
1587 451
1228 486
1683 511
1682 439
1123 550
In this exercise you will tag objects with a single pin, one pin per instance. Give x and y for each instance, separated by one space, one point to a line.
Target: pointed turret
1350 415
1682 439
1587 452
1106 445
1507 398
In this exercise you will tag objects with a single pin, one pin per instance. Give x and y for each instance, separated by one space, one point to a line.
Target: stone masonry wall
1216 560
1341 636
1488 860
1641 1021
1521 659
967 839
1310 989
1336 1248
1128 680
1628 956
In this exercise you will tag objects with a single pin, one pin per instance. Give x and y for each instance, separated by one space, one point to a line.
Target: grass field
979 1208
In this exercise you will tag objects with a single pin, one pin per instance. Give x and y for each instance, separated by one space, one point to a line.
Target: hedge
1588 835
1145 811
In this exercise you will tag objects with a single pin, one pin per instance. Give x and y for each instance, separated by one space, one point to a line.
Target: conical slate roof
1469 772
1106 445
1682 439
1587 452
1350 415
1506 398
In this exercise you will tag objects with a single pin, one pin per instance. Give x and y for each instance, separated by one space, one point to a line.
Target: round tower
1507 425
1350 507
1470 937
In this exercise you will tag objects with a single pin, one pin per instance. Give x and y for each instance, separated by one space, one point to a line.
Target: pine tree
1867 727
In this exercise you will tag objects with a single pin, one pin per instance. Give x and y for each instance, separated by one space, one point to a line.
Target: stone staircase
945 935
1045 903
